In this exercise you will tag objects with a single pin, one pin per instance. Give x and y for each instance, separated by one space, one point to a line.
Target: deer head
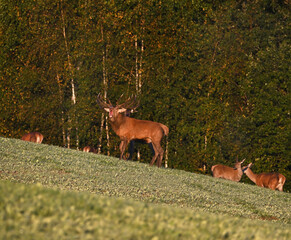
129 105
238 164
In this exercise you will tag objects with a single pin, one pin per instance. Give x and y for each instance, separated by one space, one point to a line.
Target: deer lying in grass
129 128
233 174
33 137
268 180
89 149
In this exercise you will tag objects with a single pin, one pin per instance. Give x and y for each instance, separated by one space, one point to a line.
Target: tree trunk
105 86
69 130
138 74
100 136
72 79
62 117
166 153
138 65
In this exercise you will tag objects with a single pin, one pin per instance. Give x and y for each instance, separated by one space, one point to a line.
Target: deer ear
107 109
121 110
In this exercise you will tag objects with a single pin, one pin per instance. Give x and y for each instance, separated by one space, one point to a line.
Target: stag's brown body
33 137
225 172
89 149
132 142
130 128
268 180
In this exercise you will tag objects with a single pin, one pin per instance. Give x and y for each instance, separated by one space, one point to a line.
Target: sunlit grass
169 202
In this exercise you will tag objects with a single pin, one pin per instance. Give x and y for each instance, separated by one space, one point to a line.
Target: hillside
168 202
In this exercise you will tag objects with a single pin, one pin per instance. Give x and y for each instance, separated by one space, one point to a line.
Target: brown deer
268 180
132 143
89 149
233 174
129 128
33 137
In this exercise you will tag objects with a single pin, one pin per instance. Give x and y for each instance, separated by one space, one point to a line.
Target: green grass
67 194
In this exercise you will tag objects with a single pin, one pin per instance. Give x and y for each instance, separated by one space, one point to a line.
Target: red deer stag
268 180
233 174
33 137
129 128
89 149
132 143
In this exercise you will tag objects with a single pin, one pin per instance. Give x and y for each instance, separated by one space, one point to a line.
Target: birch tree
105 87
71 72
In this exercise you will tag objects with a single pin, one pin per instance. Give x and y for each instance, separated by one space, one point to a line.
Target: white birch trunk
166 153
140 67
72 78
137 82
107 135
69 132
136 67
138 154
100 136
105 97
138 74
105 85
62 117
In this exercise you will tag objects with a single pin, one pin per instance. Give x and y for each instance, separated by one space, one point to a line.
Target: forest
217 73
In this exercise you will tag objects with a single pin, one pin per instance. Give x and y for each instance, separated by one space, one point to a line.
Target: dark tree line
216 73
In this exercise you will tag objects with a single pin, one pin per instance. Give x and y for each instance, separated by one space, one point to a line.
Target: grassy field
48 192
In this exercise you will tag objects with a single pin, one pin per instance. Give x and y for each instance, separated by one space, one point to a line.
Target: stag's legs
155 156
152 148
159 163
159 152
122 147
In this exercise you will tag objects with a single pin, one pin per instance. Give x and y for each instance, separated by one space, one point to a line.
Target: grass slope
188 205
34 212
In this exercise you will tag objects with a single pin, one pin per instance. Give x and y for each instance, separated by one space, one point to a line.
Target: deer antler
102 103
130 103
117 102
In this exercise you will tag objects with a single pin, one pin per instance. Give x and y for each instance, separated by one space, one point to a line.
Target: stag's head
128 106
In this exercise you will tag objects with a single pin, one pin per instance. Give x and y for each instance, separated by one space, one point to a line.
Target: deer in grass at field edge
233 174
268 180
33 137
89 149
130 128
